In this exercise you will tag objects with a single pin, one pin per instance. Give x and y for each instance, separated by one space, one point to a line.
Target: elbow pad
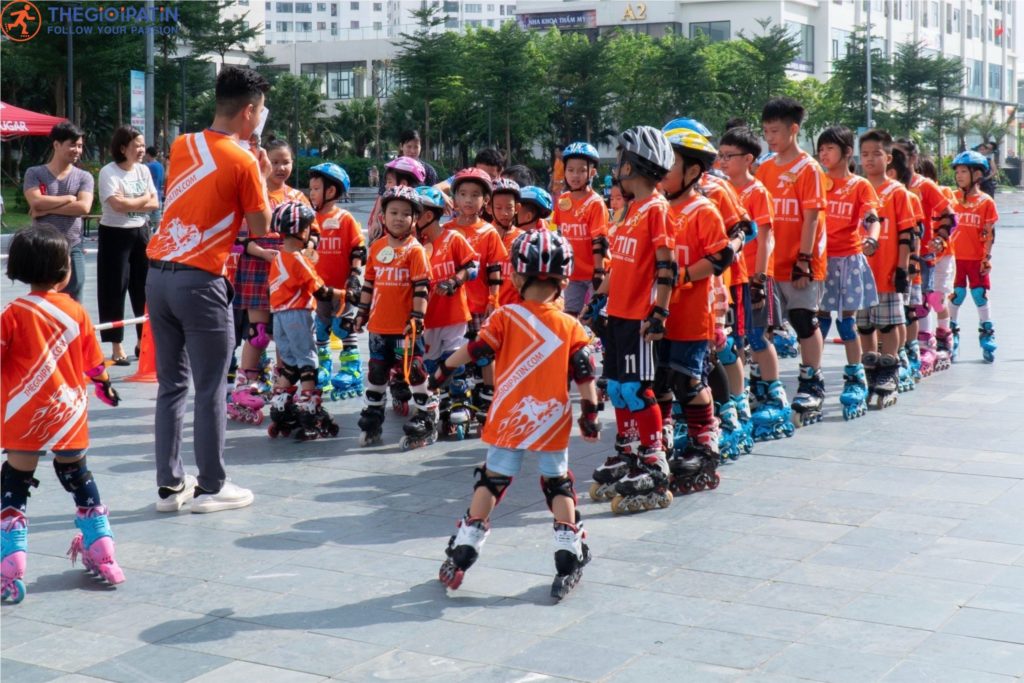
582 366
601 245
494 275
358 253
669 280
720 260
325 293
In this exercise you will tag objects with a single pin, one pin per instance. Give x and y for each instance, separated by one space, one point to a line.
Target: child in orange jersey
972 241
504 210
534 348
452 265
295 290
471 189
890 265
50 352
852 236
392 306
582 219
341 252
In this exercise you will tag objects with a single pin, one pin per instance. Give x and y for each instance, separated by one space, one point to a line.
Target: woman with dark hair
127 195
410 145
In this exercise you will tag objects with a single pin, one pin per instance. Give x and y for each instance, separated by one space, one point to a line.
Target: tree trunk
120 106
426 127
508 134
167 122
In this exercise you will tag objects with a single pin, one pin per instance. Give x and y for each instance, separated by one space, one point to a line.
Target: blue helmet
538 198
431 199
686 123
331 172
971 159
581 150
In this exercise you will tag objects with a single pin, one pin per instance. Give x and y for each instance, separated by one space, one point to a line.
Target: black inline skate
614 468
645 485
463 550
314 421
420 429
810 396
284 418
571 555
371 419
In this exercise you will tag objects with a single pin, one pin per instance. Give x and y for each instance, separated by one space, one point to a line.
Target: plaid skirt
251 289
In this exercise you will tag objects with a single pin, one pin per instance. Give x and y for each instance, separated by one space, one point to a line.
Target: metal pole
867 57
71 75
184 116
150 82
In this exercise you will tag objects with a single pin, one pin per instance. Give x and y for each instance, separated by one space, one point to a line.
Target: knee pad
921 310
663 378
558 486
323 330
417 373
980 296
804 322
614 390
72 475
16 481
847 328
292 373
757 339
825 323
637 395
686 390
886 329
959 296
718 382
342 327
728 356
257 336
865 328
497 484
378 373
307 373
910 314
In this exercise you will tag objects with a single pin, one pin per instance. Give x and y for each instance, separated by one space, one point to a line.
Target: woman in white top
127 194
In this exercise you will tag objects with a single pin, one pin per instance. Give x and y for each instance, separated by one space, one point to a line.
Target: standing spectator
410 145
373 176
156 169
127 195
213 183
59 194
991 178
557 172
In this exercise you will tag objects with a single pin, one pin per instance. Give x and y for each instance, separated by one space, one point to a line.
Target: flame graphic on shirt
63 406
530 416
184 238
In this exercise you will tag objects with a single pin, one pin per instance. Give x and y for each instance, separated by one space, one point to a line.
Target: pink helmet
408 166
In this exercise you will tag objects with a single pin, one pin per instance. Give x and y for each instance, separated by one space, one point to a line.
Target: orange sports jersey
699 232
727 201
340 233
796 188
975 217
48 344
897 214
758 205
508 294
487 244
211 184
933 203
581 221
849 201
645 228
448 254
391 271
292 282
533 345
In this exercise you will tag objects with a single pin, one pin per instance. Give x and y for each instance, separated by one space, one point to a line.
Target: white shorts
442 340
945 274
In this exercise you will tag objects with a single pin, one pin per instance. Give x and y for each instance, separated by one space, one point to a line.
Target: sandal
122 361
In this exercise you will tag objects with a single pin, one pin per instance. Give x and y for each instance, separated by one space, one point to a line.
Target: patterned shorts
888 311
251 289
849 284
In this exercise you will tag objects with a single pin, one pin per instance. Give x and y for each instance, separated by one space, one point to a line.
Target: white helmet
647 149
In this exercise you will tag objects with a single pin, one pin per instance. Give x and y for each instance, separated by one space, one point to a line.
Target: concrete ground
889 548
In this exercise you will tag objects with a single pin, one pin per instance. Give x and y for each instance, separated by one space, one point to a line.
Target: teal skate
348 381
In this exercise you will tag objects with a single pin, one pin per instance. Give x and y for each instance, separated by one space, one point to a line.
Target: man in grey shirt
59 194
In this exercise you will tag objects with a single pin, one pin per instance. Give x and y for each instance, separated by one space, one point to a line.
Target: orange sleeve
598 220
760 207
355 232
496 247
493 329
868 199
8 327
903 208
577 339
419 267
713 237
659 227
937 199
991 213
809 189
462 253
251 190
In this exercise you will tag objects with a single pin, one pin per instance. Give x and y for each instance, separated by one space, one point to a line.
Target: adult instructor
215 180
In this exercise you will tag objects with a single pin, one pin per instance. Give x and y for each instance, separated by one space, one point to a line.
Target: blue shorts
295 337
509 461
687 357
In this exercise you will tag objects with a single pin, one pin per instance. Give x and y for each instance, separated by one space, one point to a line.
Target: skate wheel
15 592
272 430
286 432
333 429
715 481
665 500
460 432
405 444
597 493
618 505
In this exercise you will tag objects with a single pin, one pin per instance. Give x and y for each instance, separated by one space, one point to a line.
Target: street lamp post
867 58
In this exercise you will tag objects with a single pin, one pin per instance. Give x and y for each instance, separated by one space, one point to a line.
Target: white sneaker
175 499
229 497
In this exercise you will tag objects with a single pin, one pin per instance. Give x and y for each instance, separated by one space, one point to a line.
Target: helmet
291 218
687 123
472 175
692 145
431 199
404 193
505 186
581 150
971 159
409 166
332 173
647 149
538 198
542 254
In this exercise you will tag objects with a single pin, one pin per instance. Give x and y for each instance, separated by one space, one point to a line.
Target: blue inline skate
855 392
785 341
987 339
773 418
913 350
325 366
732 438
348 381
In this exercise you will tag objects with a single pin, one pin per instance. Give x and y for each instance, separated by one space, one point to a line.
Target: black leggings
121 266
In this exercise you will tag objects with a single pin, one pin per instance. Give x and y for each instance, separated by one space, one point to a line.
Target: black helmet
291 218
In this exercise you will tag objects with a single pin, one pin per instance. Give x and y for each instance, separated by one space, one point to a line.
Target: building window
334 9
490 8
451 6
284 26
956 21
284 7
991 31
334 28
338 80
378 7
995 81
474 8
501 10
474 23
321 7
977 27
354 23
268 26
973 77
714 30
268 6
303 26
321 26
804 33
304 7
354 6
1010 85
490 22
451 22
385 79
377 25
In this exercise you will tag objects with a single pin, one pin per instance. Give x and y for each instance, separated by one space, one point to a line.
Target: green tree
689 86
992 127
947 77
821 100
764 59
425 60
221 35
630 56
356 125
911 90
579 81
849 76
296 104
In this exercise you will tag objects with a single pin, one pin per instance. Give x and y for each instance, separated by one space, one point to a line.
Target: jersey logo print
65 330
66 406
203 166
531 416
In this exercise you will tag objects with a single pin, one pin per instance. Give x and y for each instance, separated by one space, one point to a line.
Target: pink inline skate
14 533
95 543
246 402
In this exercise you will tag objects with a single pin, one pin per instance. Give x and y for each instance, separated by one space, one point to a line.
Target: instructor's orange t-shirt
48 343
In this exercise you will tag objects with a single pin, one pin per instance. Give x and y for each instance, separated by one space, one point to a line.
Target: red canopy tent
15 121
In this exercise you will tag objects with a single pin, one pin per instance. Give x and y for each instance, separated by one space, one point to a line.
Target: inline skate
314 421
348 381
95 543
733 438
926 352
785 342
882 371
463 550
482 397
904 376
420 429
913 349
246 403
14 546
810 395
646 485
855 392
571 555
773 417
614 467
401 394
987 339
325 367
284 419
371 419
944 348
696 467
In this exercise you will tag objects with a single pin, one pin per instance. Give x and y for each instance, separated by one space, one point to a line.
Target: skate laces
13 524
472 531
93 523
279 400
569 537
